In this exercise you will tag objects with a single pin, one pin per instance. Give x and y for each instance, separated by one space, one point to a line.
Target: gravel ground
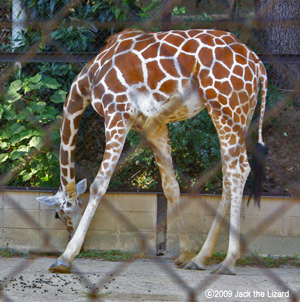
142 280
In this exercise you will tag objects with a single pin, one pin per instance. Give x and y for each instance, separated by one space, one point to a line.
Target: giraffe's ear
51 201
81 187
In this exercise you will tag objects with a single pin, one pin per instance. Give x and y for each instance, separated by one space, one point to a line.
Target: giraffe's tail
260 149
264 87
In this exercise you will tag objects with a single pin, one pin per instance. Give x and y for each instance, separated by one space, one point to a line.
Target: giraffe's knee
170 187
93 190
96 190
245 170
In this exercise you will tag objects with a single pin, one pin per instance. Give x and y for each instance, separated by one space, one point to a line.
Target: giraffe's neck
74 107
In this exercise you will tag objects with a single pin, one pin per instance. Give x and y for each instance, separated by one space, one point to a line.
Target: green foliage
104 10
32 104
151 9
75 37
152 12
96 295
268 261
78 38
255 259
155 6
10 253
140 170
27 38
274 95
178 10
64 73
111 255
25 121
216 258
195 147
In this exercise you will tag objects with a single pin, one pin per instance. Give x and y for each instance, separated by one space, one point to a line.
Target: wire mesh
33 32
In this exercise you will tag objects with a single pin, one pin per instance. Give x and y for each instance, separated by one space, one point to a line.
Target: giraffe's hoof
178 262
60 266
190 265
222 269
184 258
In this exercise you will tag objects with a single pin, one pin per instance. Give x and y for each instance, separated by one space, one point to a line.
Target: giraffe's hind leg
159 142
231 129
198 262
237 176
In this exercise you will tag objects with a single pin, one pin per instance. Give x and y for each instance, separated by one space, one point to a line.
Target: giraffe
143 81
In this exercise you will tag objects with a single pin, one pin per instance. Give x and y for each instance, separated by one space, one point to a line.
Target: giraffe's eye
69 204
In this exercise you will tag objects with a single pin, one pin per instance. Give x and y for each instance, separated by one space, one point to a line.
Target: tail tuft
258 167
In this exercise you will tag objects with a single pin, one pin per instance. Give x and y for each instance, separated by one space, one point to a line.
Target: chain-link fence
56 40
44 44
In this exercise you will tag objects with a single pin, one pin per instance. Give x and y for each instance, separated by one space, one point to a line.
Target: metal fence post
161 225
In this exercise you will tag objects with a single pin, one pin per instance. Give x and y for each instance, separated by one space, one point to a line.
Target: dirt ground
142 280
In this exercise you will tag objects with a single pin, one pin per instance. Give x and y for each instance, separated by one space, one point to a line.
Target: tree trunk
280 35
18 21
18 25
234 12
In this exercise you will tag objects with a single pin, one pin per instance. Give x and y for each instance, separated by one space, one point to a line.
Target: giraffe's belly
183 106
176 107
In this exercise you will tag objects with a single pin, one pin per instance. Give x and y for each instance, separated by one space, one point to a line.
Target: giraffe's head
69 210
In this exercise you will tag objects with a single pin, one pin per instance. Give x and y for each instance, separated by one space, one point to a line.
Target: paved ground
142 280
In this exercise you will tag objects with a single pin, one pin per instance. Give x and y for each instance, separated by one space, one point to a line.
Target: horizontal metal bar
280 58
59 57
45 57
200 193
176 20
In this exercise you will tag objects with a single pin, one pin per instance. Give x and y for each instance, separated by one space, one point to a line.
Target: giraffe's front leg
114 145
64 263
158 139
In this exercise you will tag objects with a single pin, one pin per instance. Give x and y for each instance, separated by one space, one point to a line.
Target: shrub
29 136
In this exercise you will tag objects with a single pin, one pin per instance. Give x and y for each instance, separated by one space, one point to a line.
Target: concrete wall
281 237
25 224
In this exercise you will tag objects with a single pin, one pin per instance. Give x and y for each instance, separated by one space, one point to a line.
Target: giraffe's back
173 75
